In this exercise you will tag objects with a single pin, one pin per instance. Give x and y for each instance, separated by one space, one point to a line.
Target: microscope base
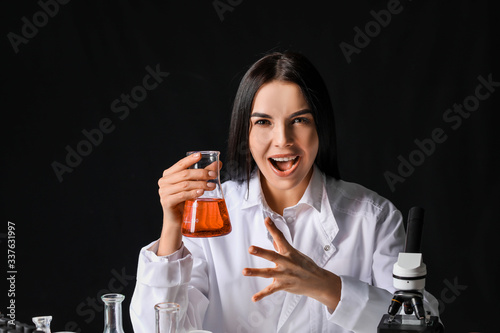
409 324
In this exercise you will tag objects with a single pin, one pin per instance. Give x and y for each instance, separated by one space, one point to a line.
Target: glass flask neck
113 313
210 161
42 323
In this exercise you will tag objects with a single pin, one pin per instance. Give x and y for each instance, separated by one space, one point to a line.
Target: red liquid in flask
205 218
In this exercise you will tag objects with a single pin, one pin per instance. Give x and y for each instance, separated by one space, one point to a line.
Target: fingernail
211 184
252 249
212 174
195 155
199 192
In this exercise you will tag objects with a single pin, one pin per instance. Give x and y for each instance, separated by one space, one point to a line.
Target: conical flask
42 323
113 313
206 216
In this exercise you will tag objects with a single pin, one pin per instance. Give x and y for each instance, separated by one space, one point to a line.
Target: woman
307 253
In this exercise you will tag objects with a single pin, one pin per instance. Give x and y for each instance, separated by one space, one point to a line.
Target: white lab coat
343 227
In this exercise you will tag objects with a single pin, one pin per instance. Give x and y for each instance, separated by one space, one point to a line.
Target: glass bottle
167 317
113 313
207 215
42 323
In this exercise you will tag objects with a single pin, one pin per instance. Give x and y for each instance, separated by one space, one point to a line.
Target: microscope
409 274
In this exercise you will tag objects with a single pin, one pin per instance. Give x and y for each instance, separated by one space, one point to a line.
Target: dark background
75 235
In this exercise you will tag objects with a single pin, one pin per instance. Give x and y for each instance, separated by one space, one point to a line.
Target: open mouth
284 165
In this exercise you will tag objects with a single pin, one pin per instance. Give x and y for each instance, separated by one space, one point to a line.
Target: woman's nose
282 136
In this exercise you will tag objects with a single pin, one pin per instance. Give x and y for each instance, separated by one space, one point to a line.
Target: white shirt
342 226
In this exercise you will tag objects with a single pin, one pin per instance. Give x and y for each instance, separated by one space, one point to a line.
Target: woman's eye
300 120
262 122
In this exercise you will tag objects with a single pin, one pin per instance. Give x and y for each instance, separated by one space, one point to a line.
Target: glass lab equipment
167 317
42 323
113 313
207 215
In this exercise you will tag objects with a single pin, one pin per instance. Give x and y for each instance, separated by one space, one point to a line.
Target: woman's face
282 137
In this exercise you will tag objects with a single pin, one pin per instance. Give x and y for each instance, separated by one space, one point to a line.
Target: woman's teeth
283 159
283 163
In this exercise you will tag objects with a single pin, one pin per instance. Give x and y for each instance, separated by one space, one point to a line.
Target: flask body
207 215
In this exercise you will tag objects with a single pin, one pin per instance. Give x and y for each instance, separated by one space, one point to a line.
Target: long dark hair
291 67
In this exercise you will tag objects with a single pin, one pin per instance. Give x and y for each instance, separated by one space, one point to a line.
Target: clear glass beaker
113 313
42 323
167 317
206 216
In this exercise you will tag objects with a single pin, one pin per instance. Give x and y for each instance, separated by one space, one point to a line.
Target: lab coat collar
312 196
314 191
254 195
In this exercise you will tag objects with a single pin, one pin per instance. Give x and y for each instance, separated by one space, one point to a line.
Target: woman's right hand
177 185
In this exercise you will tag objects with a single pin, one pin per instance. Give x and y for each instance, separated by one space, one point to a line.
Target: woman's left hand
294 272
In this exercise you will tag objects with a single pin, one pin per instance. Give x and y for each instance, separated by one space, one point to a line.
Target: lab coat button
327 248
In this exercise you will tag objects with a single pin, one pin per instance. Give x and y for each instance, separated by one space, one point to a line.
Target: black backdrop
100 97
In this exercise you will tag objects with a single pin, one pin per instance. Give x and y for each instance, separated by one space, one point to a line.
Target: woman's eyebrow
295 114
260 115
299 113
